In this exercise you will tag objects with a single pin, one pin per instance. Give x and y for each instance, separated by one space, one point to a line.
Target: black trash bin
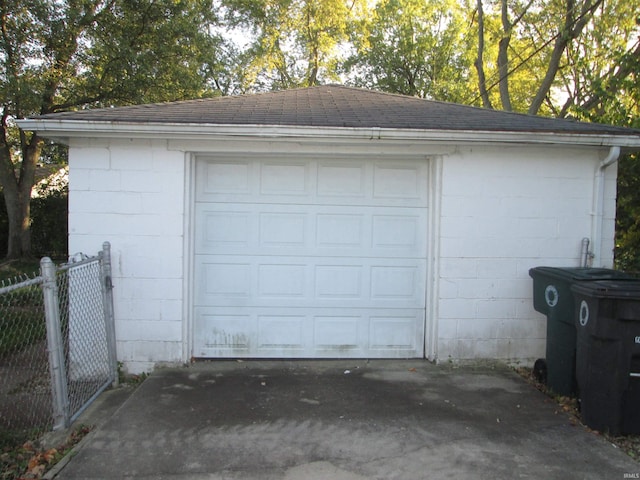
552 297
608 354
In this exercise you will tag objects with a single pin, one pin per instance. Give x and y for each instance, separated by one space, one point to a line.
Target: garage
333 222
310 257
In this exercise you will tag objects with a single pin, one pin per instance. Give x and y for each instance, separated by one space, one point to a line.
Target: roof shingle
337 106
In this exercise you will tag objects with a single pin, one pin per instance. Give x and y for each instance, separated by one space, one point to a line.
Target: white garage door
310 258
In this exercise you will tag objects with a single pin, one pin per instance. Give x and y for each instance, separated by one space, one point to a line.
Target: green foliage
627 253
82 54
412 47
577 58
58 55
601 75
603 85
19 268
22 321
147 51
49 225
290 43
21 310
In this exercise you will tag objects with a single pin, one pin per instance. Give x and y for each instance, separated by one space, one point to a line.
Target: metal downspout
597 218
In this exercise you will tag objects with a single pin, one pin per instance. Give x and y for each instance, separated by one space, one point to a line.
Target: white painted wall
131 193
503 210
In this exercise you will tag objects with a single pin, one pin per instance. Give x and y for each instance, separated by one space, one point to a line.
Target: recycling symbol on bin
551 295
584 313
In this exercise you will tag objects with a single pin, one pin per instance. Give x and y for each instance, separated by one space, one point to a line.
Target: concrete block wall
131 193
504 211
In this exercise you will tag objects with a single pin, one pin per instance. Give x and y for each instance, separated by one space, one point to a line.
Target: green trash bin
552 297
608 354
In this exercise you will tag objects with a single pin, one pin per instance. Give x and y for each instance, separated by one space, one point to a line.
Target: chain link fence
57 345
25 391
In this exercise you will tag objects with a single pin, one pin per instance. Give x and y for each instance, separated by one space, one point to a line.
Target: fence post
107 300
55 345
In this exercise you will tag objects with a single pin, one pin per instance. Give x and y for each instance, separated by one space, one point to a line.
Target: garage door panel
301 229
342 180
341 332
283 280
341 230
224 279
281 331
229 332
283 229
310 281
284 179
393 332
339 282
396 282
218 178
404 233
399 182
225 229
313 181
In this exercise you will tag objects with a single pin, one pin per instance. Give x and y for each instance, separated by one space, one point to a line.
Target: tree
538 34
293 43
554 57
58 55
412 47
601 83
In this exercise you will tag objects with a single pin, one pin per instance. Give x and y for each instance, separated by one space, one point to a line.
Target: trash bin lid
581 274
625 289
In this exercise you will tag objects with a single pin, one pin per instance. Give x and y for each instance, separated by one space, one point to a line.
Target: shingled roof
336 106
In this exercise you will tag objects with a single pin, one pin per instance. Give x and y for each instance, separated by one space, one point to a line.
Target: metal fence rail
57 344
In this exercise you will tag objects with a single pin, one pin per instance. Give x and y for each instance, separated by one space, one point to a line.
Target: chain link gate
57 343
80 331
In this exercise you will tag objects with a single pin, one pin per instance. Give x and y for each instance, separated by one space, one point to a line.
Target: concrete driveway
342 420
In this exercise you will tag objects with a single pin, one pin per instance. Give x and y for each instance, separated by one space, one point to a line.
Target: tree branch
570 30
479 63
627 66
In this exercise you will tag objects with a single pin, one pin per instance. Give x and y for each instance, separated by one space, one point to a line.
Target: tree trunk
18 212
571 29
479 63
503 70
503 59
17 191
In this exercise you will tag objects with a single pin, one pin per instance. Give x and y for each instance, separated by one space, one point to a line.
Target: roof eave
64 130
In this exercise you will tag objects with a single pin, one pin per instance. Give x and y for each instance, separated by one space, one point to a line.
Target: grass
12 269
630 444
22 320
21 310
